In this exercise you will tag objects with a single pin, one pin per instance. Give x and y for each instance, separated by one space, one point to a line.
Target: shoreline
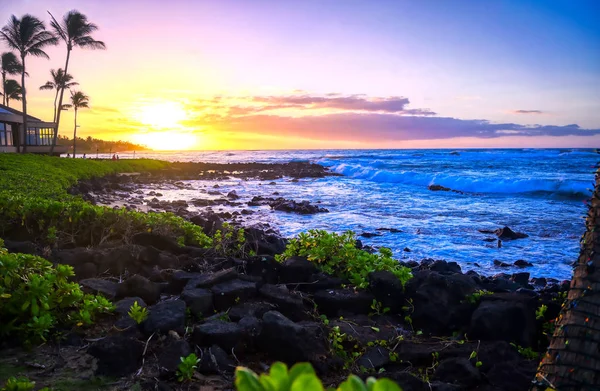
252 310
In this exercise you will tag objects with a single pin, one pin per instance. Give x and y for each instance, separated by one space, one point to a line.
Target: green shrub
36 296
302 377
20 384
138 313
186 367
337 255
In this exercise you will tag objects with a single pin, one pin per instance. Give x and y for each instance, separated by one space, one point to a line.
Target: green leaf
385 385
246 380
303 368
353 383
473 355
307 382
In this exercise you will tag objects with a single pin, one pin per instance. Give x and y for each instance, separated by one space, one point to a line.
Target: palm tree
9 65
573 358
12 90
60 80
78 100
74 29
28 36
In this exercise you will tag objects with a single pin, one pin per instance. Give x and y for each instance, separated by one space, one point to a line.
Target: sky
269 74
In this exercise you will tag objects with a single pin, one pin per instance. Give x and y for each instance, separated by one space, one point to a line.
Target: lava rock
138 286
521 278
225 334
500 263
117 355
522 263
215 361
297 269
169 357
374 358
160 242
507 233
165 316
458 370
123 306
199 301
100 286
250 309
210 279
228 293
332 301
287 303
291 342
388 289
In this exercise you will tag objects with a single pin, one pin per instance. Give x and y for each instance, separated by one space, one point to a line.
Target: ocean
540 192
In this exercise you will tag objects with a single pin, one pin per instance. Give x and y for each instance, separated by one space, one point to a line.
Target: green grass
34 198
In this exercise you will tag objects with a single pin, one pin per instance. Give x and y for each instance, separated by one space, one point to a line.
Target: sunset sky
254 74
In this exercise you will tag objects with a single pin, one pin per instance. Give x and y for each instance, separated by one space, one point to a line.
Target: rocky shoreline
445 330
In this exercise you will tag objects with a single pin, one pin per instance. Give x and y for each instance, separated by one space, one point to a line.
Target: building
39 133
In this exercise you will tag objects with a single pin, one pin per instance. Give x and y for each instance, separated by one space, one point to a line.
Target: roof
8 114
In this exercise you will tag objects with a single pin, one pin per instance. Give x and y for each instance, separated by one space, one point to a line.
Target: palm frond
58 29
48 86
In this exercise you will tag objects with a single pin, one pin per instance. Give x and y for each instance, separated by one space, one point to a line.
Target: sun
167 141
160 114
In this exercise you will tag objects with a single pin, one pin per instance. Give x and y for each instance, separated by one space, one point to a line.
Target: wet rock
297 269
209 221
303 207
199 301
458 370
100 286
500 263
232 195
264 243
507 233
291 342
438 188
227 335
520 278
165 316
391 230
407 250
444 267
522 263
117 355
387 289
332 301
229 293
169 356
369 235
138 286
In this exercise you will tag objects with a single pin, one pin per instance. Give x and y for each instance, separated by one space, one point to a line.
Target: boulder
512 375
444 267
229 293
232 195
507 233
458 370
209 221
333 301
387 289
160 242
264 243
296 269
374 358
209 279
123 306
179 280
25 247
138 286
291 342
250 309
215 361
227 335
165 316
169 356
117 355
500 263
199 301
522 263
99 286
251 326
521 278
438 188
287 303
505 317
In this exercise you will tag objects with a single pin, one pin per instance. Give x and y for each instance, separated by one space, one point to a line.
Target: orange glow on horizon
167 141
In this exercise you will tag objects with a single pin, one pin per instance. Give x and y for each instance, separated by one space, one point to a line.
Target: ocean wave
569 188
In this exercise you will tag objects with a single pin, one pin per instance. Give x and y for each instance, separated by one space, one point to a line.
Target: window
2 134
45 136
9 134
32 136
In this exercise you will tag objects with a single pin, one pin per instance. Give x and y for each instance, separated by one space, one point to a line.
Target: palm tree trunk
4 100
60 102
573 358
55 98
75 133
24 94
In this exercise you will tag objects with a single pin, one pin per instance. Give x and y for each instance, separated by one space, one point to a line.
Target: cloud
527 112
356 117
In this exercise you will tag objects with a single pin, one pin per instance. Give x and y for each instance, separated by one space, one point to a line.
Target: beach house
38 137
